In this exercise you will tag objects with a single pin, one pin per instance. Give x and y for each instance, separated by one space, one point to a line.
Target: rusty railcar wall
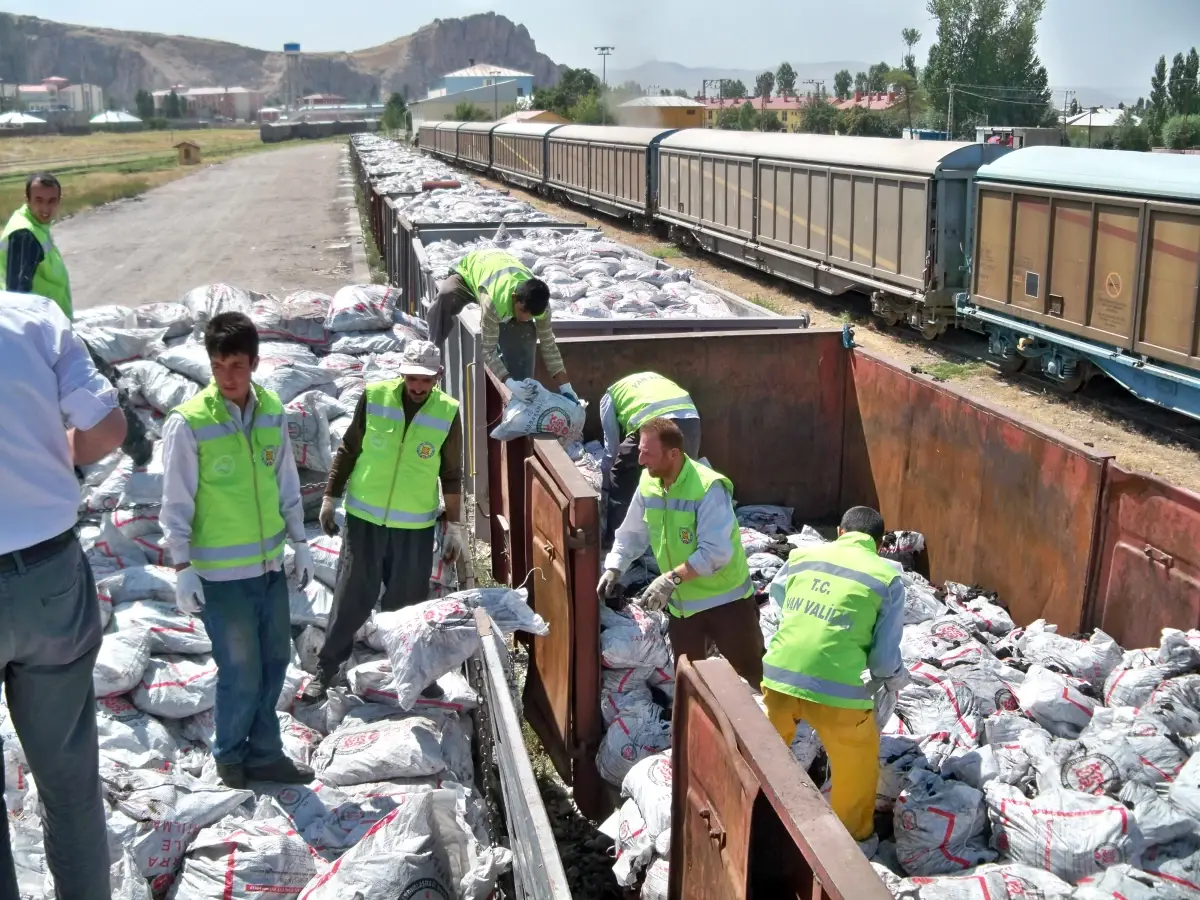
1148 560
1002 503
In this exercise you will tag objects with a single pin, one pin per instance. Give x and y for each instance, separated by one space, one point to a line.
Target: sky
1083 43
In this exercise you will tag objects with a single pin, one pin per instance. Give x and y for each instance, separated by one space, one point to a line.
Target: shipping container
1056 528
519 152
1100 245
605 167
887 218
475 145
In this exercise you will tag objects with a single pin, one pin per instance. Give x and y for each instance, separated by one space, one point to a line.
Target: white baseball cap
421 358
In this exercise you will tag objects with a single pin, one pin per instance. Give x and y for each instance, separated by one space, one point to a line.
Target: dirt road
275 222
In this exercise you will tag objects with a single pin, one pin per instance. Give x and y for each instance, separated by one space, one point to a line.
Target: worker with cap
683 511
405 436
58 413
625 406
843 615
31 264
516 315
231 495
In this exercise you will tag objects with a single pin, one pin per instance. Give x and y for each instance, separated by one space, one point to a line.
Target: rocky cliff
123 62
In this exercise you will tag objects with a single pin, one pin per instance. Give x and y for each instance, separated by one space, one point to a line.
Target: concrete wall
275 133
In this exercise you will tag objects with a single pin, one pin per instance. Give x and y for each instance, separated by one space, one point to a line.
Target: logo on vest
378 441
425 450
268 457
223 466
685 535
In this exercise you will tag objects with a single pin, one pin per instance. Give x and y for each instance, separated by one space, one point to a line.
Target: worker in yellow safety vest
515 319
843 616
231 496
405 437
683 511
28 258
627 404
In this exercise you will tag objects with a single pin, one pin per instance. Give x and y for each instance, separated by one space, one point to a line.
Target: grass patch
374 258
666 252
948 371
61 152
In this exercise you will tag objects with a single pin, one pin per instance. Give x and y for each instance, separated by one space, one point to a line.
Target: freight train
1081 261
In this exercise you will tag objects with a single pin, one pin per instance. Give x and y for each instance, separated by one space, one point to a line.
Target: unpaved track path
276 221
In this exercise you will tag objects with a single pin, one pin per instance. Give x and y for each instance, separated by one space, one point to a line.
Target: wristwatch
676 578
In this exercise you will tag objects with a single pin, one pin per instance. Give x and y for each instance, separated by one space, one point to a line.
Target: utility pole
950 115
605 52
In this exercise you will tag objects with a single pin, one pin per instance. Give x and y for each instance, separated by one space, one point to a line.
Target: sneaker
233 776
317 688
283 771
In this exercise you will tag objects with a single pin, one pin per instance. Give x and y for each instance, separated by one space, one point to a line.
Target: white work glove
658 595
326 518
456 542
305 569
610 581
189 591
569 392
512 384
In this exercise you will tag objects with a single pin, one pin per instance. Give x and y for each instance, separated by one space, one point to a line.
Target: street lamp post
605 52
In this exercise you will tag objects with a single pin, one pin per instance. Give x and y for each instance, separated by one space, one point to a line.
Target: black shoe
433 692
317 688
233 776
284 771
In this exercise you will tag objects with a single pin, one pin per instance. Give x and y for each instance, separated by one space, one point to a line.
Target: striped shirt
490 328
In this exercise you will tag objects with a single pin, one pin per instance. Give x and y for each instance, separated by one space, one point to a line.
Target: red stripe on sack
624 679
271 889
1065 696
622 724
1176 879
948 690
1108 696
229 868
321 880
1167 775
184 683
190 628
950 818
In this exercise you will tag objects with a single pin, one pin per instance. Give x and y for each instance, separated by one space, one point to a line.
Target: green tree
589 110
680 92
769 121
912 98
627 90
571 88
469 112
911 38
861 122
732 89
1181 133
987 42
508 109
1177 88
842 82
764 84
785 79
860 81
1130 134
1191 72
877 77
819 118
729 119
1073 109
395 113
143 101
1158 108
172 107
748 117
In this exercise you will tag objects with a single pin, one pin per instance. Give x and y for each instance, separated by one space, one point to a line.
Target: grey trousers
49 640
401 559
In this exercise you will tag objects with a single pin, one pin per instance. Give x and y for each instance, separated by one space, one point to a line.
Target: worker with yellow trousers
843 613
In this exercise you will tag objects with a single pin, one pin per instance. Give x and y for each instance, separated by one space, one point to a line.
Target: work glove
512 384
456 542
189 591
610 581
305 569
658 595
569 392
328 523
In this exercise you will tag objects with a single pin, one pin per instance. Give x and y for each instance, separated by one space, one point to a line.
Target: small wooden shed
189 153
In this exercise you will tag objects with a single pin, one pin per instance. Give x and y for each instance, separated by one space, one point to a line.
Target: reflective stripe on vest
499 274
833 599
671 521
638 398
395 479
237 522
50 278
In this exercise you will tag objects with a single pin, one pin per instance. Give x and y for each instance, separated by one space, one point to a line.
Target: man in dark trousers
58 413
406 435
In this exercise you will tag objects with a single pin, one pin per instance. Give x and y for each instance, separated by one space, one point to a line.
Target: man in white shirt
231 495
58 413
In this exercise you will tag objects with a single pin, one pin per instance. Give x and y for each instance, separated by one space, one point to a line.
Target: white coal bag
362 806
289 378
944 706
423 847
627 742
174 687
302 805
1091 660
1070 834
175 318
648 784
508 608
299 316
403 746
635 847
533 409
213 299
138 583
1005 881
657 881
1176 866
632 638
190 360
157 385
1121 882
1053 703
119 345
129 737
242 859
362 307
939 825
171 631
126 881
308 429
308 647
122 661
625 693
299 741
425 641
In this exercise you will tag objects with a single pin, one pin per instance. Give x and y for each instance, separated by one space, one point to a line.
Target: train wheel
1072 384
930 331
1012 365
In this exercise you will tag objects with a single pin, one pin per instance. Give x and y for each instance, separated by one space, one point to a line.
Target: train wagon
427 136
608 168
1088 261
475 144
884 217
519 152
445 140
